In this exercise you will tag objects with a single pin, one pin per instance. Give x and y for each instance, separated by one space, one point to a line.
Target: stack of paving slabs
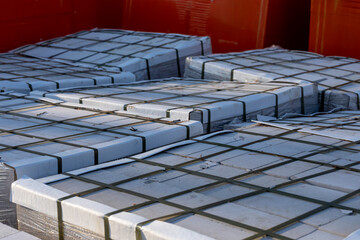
147 55
24 74
213 103
8 233
243 184
338 78
39 138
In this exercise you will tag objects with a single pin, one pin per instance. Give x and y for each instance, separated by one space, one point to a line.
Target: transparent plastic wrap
7 208
46 227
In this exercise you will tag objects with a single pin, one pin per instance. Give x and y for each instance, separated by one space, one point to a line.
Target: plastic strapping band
126 106
202 47
302 100
107 227
178 62
209 125
232 75
144 145
188 132
209 120
244 110
60 215
60 219
30 86
138 234
148 69
276 104
95 81
203 68
322 101
59 163
96 156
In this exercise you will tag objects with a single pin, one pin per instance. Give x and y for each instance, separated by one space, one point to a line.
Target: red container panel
30 21
234 25
334 28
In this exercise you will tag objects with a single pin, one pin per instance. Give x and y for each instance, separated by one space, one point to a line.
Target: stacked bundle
40 138
249 183
338 78
213 103
8 233
147 55
25 74
342 125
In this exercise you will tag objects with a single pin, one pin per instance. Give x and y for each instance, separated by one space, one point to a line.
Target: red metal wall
334 28
288 23
29 21
234 25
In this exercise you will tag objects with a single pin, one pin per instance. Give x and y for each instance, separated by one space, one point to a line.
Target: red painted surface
288 23
334 28
29 21
234 25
